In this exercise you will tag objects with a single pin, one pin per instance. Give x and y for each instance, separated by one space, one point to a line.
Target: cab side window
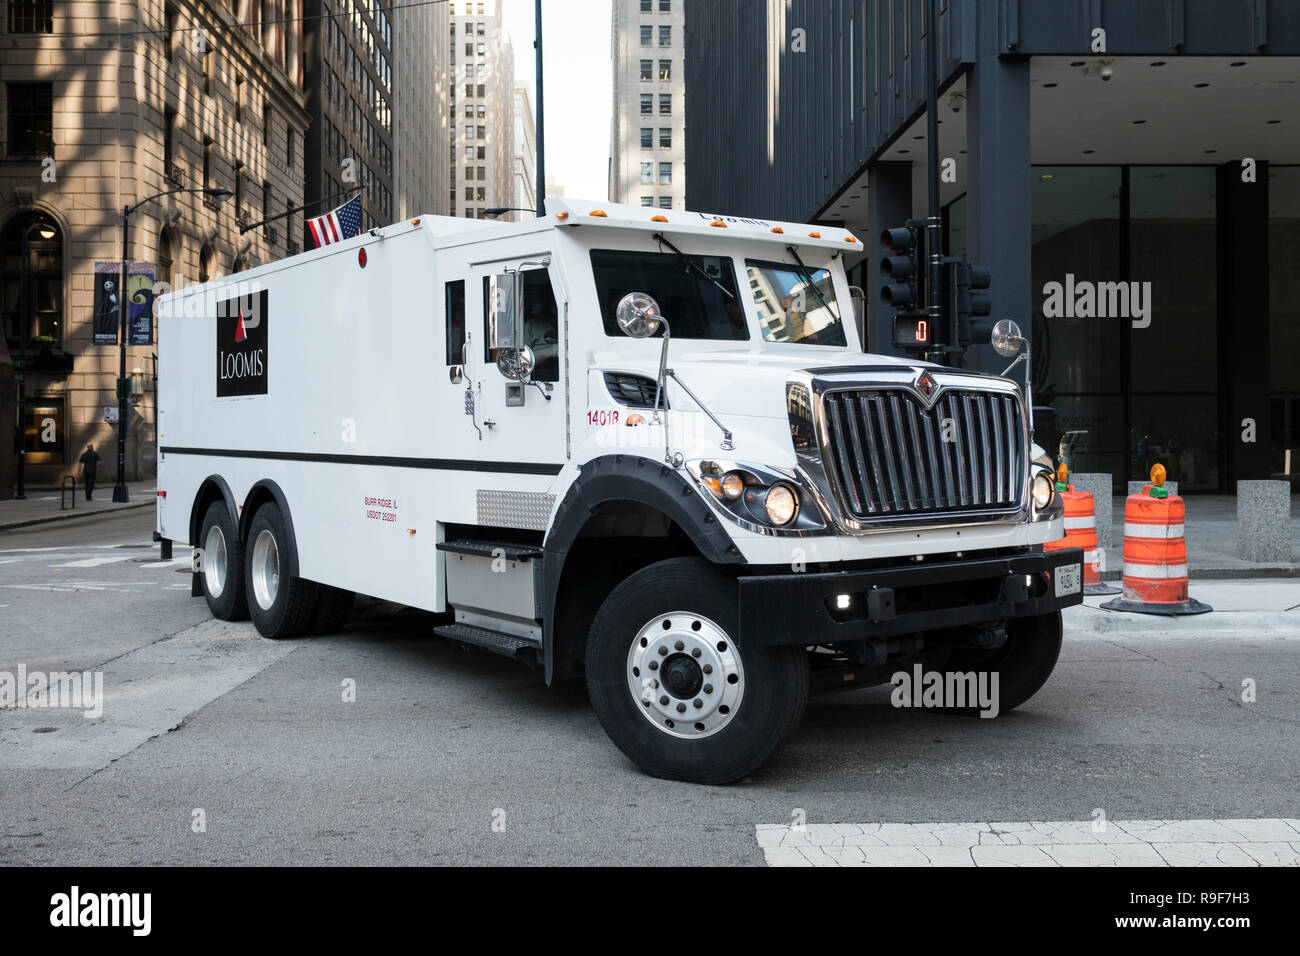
455 301
541 325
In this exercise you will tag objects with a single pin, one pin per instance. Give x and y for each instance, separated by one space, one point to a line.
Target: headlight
1043 491
781 504
732 486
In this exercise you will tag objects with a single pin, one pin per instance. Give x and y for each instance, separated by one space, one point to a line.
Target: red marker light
361 258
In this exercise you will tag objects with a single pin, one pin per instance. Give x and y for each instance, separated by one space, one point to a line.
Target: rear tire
675 624
279 605
1023 664
221 571
333 608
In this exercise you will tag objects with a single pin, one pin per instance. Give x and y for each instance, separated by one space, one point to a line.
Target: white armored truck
640 447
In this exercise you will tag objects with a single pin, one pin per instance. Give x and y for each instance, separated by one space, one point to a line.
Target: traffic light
970 303
900 265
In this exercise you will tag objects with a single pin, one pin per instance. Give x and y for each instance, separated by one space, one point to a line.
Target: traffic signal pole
934 297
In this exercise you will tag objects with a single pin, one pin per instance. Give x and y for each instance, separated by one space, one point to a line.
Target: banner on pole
105 320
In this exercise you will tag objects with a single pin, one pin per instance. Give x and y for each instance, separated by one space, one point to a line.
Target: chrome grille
893 457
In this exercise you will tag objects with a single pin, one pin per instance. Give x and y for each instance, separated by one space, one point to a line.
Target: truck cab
644 449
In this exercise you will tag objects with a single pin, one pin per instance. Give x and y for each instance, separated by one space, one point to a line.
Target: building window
665 36
44 313
171 17
665 69
469 48
481 90
647 6
289 146
647 69
31 119
469 132
482 132
480 28
481 111
647 35
169 142
480 193
647 172
480 49
647 137
239 99
266 124
469 111
482 173
666 137
647 104
43 431
207 162
665 202
482 153
665 104
647 200
469 193
206 57
665 172
665 6
266 207
239 189
469 89
31 16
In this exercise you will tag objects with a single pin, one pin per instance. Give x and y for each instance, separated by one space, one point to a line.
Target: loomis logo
241 345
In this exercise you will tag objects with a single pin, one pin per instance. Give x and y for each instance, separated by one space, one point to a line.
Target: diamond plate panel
530 510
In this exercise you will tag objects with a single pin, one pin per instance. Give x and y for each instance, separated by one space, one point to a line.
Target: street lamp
220 195
495 211
46 232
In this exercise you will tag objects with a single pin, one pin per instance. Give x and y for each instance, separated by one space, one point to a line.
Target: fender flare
282 502
625 478
196 517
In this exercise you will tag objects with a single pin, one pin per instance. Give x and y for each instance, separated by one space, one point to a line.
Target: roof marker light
849 239
561 216
718 224
778 229
415 222
599 212
658 218
814 235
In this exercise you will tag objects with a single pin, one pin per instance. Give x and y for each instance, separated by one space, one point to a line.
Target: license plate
1069 578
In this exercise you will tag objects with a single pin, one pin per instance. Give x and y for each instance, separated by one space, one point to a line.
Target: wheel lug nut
678 646
681 708
707 668
664 700
653 665
663 651
708 688
695 653
698 703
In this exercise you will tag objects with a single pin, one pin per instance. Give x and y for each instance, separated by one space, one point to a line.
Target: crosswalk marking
94 562
1231 842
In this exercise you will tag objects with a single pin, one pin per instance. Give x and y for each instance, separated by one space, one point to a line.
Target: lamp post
47 232
541 115
220 195
495 211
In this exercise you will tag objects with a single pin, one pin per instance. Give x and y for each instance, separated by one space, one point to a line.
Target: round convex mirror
517 364
638 315
1007 339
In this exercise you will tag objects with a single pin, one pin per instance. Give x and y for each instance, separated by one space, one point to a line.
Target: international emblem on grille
927 385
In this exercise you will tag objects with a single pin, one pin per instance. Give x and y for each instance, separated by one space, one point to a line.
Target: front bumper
804 609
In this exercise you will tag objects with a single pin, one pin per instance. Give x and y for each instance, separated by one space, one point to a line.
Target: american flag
338 224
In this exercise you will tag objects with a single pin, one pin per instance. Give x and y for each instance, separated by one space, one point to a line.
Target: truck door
522 421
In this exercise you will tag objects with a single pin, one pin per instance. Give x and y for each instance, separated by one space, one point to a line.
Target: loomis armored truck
643 449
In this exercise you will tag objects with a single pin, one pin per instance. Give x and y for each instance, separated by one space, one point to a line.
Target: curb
1225 574
1094 622
73 513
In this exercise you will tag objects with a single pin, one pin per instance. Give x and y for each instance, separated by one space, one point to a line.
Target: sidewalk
42 504
1211 531
1252 609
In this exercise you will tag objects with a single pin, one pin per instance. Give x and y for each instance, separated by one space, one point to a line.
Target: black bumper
903 599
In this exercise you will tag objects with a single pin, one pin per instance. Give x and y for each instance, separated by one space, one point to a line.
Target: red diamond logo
927 384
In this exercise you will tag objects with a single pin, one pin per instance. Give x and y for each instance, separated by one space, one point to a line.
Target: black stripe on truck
439 464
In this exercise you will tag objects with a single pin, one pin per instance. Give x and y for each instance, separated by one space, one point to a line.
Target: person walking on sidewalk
88 464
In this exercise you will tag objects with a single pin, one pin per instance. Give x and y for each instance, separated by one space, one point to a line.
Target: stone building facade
100 114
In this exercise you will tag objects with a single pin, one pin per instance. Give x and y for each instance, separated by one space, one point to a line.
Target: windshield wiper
808 279
681 257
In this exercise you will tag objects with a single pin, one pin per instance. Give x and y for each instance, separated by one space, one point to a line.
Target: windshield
793 309
696 294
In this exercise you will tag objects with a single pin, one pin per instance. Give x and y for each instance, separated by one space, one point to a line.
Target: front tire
221 571
279 605
1023 664
675 689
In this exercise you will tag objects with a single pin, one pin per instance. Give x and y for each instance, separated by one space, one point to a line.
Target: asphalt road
207 722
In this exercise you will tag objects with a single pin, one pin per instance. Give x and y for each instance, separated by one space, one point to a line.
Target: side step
507 645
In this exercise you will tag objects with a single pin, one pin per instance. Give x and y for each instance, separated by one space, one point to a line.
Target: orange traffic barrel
1080 532
1155 553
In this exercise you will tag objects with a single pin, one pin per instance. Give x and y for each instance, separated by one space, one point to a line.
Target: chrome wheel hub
266 569
685 674
214 561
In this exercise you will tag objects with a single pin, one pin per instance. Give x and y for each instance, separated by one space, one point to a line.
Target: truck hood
741 381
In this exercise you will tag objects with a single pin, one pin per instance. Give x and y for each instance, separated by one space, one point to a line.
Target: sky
578 86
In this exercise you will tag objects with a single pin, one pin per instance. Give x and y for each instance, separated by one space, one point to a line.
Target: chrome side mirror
638 315
517 364
1007 340
505 311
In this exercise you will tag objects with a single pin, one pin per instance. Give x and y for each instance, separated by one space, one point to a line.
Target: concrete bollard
1264 521
1101 486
